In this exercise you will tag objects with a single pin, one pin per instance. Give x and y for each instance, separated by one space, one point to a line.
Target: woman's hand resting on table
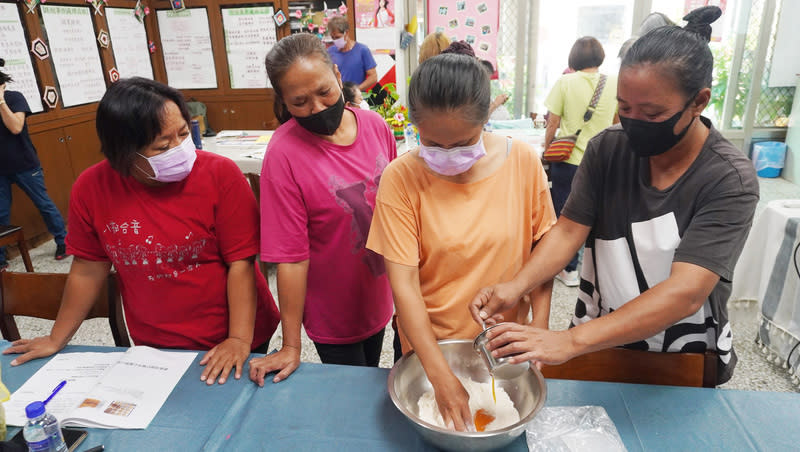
230 353
284 361
39 347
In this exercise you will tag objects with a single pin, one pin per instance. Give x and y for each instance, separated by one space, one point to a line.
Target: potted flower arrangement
393 112
398 121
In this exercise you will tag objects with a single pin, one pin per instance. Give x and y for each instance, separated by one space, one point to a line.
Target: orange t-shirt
463 237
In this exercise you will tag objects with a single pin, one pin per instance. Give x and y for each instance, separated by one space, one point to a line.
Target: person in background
566 105
318 185
489 67
180 227
651 22
664 204
353 59
432 45
439 225
20 165
461 48
353 97
495 112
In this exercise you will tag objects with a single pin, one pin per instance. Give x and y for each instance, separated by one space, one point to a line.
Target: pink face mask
449 162
173 165
339 43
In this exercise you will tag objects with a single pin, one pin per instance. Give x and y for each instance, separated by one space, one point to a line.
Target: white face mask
364 105
340 43
173 165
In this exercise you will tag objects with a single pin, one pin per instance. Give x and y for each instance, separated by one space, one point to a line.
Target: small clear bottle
410 136
42 432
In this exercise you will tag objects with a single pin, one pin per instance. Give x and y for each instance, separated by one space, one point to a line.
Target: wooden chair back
13 235
255 184
636 366
39 295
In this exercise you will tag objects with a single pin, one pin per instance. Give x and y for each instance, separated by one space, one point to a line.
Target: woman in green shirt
566 105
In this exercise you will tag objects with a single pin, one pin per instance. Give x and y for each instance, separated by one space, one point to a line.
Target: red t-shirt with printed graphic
170 245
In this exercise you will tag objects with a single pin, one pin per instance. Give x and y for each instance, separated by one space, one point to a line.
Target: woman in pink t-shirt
180 227
318 186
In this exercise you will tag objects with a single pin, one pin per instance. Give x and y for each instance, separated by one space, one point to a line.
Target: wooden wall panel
58 174
83 145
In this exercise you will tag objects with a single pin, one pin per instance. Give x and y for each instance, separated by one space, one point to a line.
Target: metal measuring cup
498 367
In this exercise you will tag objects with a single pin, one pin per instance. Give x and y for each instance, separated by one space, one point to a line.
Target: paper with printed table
104 390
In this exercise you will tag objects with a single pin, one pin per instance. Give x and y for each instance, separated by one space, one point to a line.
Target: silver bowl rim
414 418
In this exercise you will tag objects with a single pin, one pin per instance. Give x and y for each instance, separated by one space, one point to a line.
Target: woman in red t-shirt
180 226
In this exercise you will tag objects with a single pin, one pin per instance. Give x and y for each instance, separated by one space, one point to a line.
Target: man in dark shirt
19 164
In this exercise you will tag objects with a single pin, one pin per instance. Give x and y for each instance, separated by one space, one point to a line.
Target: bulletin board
73 45
129 42
186 46
474 21
249 35
14 49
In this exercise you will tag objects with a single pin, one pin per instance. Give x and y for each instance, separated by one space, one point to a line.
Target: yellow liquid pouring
494 395
483 417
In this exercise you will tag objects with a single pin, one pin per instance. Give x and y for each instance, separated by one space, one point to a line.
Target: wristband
2 102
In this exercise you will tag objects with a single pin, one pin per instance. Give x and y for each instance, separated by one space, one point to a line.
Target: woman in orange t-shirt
462 210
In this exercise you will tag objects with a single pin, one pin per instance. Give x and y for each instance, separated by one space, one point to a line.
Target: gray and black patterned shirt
638 231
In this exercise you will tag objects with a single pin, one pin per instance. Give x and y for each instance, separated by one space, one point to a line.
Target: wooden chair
10 235
255 184
39 295
636 366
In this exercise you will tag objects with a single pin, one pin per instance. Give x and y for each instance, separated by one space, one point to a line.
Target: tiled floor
753 372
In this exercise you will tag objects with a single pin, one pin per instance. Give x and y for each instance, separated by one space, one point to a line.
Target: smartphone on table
72 436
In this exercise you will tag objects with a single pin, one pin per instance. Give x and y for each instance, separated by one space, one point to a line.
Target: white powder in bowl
480 397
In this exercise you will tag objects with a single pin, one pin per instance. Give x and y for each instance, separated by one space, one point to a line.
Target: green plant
719 87
393 112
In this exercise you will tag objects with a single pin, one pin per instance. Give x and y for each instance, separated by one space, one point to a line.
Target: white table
766 272
522 130
241 147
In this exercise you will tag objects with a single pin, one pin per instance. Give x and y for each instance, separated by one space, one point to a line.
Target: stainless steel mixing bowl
407 383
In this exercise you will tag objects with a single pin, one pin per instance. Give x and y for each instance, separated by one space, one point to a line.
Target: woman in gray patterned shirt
663 204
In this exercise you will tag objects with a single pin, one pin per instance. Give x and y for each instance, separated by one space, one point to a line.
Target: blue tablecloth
326 407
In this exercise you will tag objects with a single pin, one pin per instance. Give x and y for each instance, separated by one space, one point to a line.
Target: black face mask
324 122
653 138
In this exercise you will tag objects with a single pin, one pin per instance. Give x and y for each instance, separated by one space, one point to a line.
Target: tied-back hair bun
699 20
2 62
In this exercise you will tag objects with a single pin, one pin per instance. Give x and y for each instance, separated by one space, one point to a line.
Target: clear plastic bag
573 428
